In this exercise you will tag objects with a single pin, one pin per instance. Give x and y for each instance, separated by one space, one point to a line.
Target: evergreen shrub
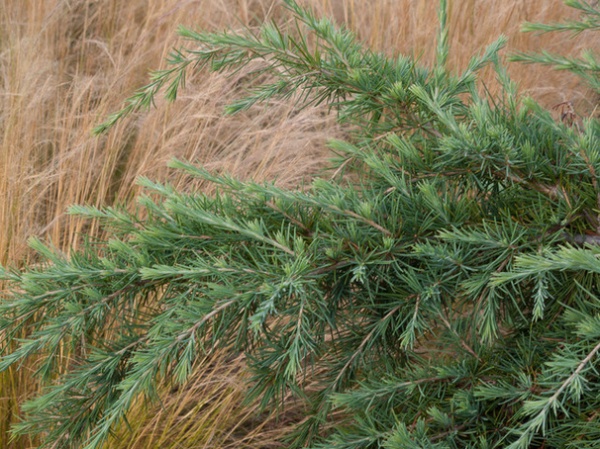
446 297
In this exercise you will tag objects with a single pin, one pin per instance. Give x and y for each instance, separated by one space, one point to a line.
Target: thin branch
579 368
362 345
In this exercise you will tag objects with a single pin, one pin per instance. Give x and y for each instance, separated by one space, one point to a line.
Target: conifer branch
444 296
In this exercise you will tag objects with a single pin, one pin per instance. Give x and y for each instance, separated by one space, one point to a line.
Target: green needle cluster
448 297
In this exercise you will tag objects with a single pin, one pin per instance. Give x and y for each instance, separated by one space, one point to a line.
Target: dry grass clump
64 65
205 413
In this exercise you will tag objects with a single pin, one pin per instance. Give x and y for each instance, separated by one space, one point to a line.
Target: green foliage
448 300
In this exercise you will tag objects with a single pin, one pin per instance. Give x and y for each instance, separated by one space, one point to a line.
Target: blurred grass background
65 64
